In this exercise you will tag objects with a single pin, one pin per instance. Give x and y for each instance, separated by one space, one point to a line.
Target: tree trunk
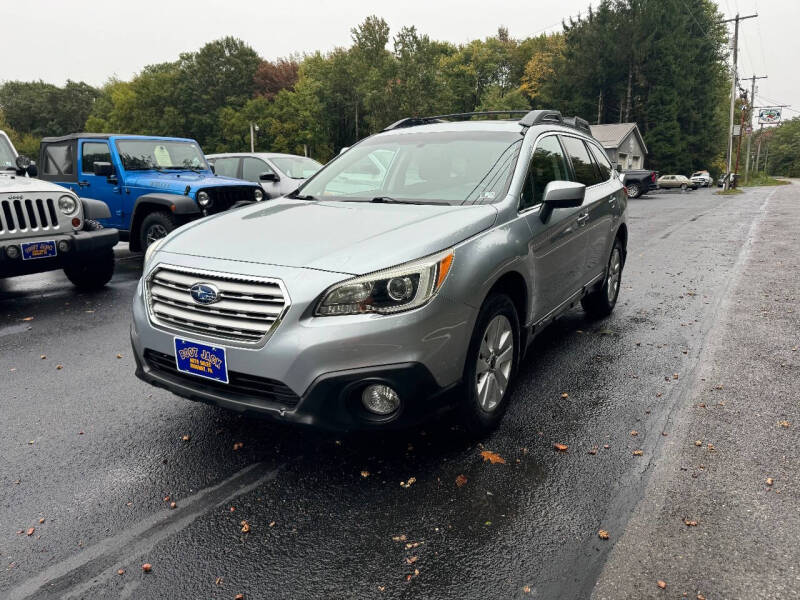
628 99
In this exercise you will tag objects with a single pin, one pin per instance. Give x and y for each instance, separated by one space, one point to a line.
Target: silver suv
406 277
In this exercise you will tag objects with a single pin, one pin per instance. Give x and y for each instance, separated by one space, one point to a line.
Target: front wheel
491 366
155 226
601 302
683 187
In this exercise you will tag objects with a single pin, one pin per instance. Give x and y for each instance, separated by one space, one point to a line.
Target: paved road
95 453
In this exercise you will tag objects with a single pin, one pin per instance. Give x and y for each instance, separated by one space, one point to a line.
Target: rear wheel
683 187
491 365
155 226
601 302
634 191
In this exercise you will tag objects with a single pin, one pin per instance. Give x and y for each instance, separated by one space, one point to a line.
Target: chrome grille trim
23 216
250 308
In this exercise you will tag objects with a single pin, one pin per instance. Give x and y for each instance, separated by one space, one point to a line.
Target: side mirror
268 176
211 166
561 194
26 165
103 169
32 170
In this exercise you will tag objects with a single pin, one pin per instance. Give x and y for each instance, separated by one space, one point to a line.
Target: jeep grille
248 310
27 215
226 196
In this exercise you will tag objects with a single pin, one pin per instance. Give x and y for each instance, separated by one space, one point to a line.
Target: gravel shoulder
720 517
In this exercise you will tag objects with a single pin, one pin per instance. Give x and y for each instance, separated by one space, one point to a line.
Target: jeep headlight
203 199
258 195
151 250
388 291
67 205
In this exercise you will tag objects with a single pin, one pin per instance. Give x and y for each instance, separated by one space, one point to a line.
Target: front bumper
81 245
312 370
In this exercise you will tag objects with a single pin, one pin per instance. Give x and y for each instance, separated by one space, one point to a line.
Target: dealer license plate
31 250
202 360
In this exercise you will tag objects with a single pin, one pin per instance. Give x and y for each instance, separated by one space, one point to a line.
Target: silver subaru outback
405 278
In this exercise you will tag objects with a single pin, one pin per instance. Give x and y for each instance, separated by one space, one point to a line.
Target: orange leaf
661 584
560 447
492 457
460 480
602 534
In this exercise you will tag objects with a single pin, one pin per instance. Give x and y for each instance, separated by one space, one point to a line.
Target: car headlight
258 195
388 291
67 205
203 199
151 250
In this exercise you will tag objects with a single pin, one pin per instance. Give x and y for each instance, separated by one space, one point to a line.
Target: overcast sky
90 41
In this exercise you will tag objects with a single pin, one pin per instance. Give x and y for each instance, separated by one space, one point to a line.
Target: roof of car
258 154
481 125
104 136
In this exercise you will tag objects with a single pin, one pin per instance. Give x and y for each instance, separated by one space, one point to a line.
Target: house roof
613 134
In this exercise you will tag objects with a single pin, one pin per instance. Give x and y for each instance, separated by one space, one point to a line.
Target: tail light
653 177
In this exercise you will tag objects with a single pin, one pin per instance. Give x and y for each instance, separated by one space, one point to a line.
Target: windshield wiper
297 196
390 200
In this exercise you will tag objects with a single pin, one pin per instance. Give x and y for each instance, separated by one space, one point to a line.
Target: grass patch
730 192
763 179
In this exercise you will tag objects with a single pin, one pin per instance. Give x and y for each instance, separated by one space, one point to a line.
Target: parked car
151 184
702 178
45 227
638 182
676 181
277 174
724 177
372 307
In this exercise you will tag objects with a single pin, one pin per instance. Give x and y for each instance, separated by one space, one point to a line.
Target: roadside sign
769 116
737 130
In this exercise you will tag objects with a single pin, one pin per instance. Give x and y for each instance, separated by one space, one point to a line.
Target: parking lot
102 473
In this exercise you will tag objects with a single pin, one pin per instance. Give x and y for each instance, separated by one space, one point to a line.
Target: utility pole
735 20
750 124
253 129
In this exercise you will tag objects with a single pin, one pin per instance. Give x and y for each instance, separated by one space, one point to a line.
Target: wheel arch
182 206
513 285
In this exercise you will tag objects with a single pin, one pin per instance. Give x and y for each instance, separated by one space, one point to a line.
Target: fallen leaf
602 534
399 538
381 588
784 424
28 319
185 438
173 505
637 452
233 509
690 523
272 523
460 480
120 571
634 433
245 527
147 567
526 589
565 395
119 355
606 446
238 597
492 457
41 520
674 375
237 446
411 560
560 447
218 581
770 481
59 367
365 474
593 450
698 443
661 584
166 498
701 597
43 356
30 531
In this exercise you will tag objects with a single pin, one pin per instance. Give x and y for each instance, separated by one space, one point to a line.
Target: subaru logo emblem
204 293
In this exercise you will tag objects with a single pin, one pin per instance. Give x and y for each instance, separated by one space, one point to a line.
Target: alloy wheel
495 359
156 232
614 275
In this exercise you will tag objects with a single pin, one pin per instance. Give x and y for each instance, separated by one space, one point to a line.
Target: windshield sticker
162 156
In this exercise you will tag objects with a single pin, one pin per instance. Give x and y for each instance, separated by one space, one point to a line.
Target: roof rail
412 121
536 117
578 123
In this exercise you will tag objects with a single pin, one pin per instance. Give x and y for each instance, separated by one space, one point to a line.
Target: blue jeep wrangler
151 184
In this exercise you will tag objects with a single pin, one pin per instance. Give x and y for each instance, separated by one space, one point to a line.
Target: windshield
7 156
466 167
138 155
296 167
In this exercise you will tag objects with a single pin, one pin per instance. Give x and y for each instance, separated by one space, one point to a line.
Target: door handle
612 199
83 183
583 219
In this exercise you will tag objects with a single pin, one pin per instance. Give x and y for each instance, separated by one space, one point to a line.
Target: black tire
154 226
473 417
634 190
683 187
92 272
598 304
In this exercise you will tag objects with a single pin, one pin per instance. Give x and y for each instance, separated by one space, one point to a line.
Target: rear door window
582 166
227 167
59 159
602 162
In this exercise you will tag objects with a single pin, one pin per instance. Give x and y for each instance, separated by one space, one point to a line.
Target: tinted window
226 167
547 164
581 161
253 167
297 167
602 162
94 152
58 159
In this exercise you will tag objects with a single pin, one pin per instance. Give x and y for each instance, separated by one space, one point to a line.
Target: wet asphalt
98 456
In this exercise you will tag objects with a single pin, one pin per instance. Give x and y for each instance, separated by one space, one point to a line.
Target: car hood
176 182
344 237
10 183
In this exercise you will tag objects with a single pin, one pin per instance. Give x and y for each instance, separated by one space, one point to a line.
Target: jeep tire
491 366
154 226
601 302
93 271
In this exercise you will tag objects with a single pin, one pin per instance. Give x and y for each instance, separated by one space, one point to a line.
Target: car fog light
12 252
380 399
63 246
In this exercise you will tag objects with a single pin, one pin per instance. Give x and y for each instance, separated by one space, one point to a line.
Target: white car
702 178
